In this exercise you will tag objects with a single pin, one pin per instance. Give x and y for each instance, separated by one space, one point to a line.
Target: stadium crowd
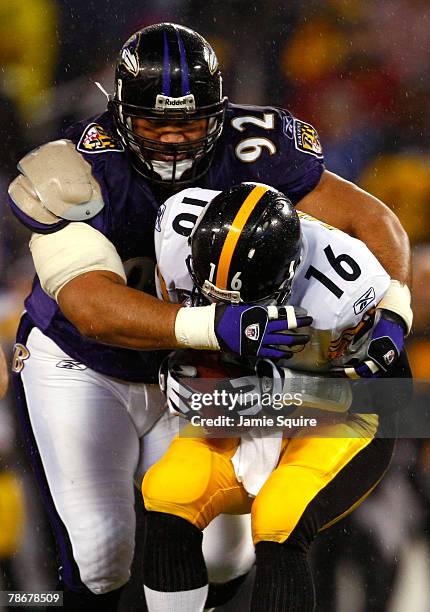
357 70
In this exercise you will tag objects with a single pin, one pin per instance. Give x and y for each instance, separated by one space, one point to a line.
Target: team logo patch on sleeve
95 139
306 138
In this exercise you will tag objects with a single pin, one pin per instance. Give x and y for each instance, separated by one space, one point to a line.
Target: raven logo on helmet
129 56
211 59
130 61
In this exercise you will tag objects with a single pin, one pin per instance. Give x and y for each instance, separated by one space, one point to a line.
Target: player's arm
349 208
356 212
55 195
4 378
102 307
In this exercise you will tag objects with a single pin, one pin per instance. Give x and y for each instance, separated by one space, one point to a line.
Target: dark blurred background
358 70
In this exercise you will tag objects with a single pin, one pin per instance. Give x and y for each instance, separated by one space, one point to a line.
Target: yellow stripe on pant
196 481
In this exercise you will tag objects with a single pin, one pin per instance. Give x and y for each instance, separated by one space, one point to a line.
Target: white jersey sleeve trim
70 252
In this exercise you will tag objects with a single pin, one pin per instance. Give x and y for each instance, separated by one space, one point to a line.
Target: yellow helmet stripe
234 233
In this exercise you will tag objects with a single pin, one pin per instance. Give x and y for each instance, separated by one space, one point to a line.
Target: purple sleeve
300 161
32 224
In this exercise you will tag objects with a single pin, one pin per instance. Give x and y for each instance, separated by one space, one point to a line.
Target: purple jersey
262 144
266 145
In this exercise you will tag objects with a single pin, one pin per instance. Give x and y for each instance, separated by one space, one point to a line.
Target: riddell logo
185 102
253 331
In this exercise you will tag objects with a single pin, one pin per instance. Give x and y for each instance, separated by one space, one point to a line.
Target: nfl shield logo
389 357
252 331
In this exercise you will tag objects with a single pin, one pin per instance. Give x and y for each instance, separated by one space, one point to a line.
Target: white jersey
338 281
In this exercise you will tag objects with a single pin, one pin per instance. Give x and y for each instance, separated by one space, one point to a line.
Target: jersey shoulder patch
306 138
96 139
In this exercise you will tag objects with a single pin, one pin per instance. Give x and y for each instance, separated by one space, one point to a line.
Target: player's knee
179 481
103 548
228 548
273 522
107 578
288 525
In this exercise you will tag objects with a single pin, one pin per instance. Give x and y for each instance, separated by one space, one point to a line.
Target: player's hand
184 376
171 377
386 343
259 331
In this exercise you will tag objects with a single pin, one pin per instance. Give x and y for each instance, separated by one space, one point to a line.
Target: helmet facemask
194 156
167 74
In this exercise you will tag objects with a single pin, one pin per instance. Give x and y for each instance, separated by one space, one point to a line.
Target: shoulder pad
56 184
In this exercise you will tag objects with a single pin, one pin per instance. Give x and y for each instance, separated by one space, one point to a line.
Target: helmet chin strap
165 168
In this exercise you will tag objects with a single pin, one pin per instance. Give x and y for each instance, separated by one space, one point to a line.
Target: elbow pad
70 252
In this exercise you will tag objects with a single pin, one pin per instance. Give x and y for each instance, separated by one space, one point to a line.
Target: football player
250 246
83 365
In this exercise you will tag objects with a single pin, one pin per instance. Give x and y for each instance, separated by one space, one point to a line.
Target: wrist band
194 328
398 300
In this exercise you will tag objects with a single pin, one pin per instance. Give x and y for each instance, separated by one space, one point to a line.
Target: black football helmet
168 73
246 246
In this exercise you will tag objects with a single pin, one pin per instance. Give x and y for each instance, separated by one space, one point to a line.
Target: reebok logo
363 302
70 364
